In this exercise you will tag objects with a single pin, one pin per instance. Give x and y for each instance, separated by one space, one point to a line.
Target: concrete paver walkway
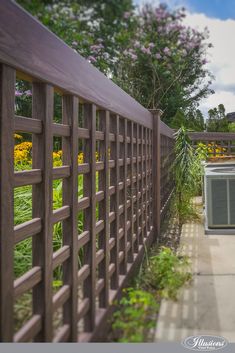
207 306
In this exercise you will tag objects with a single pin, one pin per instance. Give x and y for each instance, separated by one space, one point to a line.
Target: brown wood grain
156 174
211 136
43 97
138 241
114 202
104 236
70 198
142 234
164 129
123 267
89 190
132 230
146 180
7 92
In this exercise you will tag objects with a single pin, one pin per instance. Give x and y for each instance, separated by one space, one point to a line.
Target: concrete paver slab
207 306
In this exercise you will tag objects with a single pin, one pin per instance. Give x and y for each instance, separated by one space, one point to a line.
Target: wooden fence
123 194
224 140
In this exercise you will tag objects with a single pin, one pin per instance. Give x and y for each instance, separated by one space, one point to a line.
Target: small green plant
167 272
136 316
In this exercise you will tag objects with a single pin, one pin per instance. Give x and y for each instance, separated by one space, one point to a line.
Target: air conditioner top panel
223 170
218 165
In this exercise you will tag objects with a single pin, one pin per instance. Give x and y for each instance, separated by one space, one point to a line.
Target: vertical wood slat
156 175
150 179
146 181
43 98
142 183
131 253
135 191
114 202
137 188
104 209
123 243
229 148
7 95
90 214
125 197
70 197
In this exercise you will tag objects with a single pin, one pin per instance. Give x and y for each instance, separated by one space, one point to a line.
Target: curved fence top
31 48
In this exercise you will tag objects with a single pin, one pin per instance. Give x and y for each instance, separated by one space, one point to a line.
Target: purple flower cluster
91 59
167 51
18 93
127 15
96 47
130 53
161 13
146 50
27 93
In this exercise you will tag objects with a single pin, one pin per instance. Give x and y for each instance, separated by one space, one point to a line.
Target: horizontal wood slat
211 136
63 334
60 256
61 172
27 229
83 273
61 214
60 297
29 125
27 281
83 308
29 330
27 177
61 130
83 238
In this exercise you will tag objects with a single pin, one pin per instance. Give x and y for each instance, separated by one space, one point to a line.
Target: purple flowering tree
165 64
151 54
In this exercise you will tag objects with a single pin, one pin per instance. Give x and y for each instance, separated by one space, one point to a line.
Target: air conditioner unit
219 193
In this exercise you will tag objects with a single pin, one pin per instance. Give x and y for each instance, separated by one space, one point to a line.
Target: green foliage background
149 52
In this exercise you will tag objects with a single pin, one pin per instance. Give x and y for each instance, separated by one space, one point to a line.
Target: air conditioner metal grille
219 202
232 200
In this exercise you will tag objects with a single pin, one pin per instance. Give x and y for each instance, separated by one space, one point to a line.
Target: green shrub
136 315
167 272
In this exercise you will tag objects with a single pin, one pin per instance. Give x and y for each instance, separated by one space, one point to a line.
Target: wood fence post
7 97
156 172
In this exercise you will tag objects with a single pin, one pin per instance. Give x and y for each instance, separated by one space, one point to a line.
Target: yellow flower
57 159
22 153
24 146
80 158
18 137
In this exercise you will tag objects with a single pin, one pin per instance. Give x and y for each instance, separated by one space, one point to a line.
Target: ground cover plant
162 275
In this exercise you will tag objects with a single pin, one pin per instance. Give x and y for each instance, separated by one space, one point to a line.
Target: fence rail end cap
158 112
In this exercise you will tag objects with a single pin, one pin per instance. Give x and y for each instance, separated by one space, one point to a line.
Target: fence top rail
166 130
211 136
33 50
